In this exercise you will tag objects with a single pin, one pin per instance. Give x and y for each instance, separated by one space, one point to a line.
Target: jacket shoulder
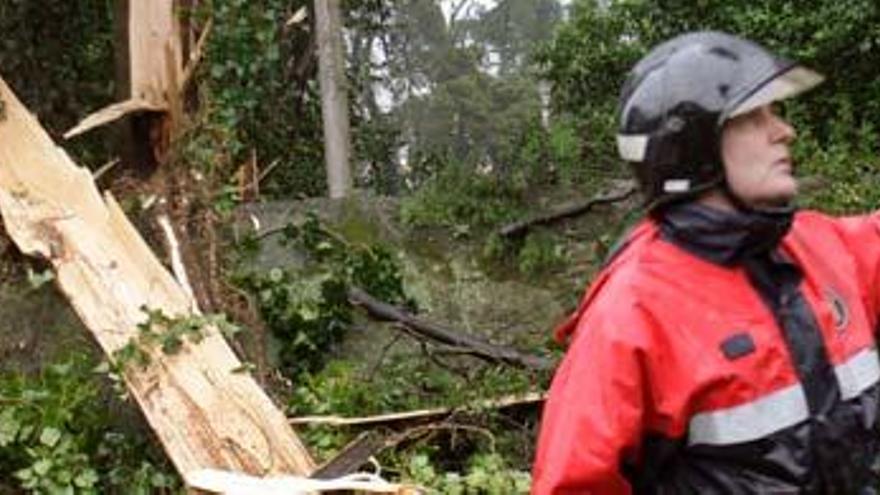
822 228
615 289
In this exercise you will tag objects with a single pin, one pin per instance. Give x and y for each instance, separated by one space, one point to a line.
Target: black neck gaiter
724 237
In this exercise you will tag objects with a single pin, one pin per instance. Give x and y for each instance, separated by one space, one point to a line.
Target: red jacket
678 369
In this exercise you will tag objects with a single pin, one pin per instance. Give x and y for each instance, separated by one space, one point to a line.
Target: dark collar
723 237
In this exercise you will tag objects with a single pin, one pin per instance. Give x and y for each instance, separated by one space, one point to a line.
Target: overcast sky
448 4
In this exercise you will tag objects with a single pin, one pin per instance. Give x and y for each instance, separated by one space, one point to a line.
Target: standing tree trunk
334 100
148 65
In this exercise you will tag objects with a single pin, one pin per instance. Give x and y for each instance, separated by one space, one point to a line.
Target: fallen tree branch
420 414
425 432
354 455
493 352
519 229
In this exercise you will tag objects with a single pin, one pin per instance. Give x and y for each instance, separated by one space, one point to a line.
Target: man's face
757 160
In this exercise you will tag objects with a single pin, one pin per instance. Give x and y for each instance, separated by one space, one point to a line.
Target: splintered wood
205 414
154 62
153 45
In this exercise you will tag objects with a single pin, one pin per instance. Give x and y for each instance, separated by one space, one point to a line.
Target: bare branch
435 332
520 228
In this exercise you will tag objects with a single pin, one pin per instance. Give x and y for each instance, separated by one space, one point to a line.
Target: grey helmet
675 102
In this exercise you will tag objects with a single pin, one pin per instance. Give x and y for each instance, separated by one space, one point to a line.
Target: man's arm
861 234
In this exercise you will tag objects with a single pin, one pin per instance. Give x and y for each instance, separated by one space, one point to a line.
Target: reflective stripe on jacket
685 376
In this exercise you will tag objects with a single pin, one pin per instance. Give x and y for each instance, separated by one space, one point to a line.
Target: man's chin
782 200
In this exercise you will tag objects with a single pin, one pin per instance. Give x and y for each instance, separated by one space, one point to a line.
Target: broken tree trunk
152 80
149 73
205 414
472 344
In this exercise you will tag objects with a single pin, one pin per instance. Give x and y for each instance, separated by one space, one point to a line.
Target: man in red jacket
728 346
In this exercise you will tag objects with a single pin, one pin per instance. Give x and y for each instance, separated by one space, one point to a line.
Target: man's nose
782 130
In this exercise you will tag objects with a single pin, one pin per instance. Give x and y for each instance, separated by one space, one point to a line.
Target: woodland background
465 116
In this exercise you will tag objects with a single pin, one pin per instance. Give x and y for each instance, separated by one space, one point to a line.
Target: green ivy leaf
9 426
86 479
42 466
24 475
50 436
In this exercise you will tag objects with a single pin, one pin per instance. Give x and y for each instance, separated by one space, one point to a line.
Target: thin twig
439 362
375 368
103 169
266 233
268 169
195 56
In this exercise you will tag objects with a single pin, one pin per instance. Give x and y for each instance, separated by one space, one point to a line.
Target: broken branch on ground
520 228
479 347
506 402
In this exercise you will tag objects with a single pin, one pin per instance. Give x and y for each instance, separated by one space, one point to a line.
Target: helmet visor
788 83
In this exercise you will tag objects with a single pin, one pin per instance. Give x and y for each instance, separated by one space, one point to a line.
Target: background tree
334 97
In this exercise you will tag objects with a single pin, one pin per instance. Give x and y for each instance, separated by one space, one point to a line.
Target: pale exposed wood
297 17
155 68
152 26
421 414
112 113
176 259
204 414
103 169
216 481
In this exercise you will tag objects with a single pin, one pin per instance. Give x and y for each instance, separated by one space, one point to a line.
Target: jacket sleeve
861 235
592 419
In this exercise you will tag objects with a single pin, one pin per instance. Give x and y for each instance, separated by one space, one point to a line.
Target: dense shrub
53 438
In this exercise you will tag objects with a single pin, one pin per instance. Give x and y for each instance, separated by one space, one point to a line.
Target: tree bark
334 97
